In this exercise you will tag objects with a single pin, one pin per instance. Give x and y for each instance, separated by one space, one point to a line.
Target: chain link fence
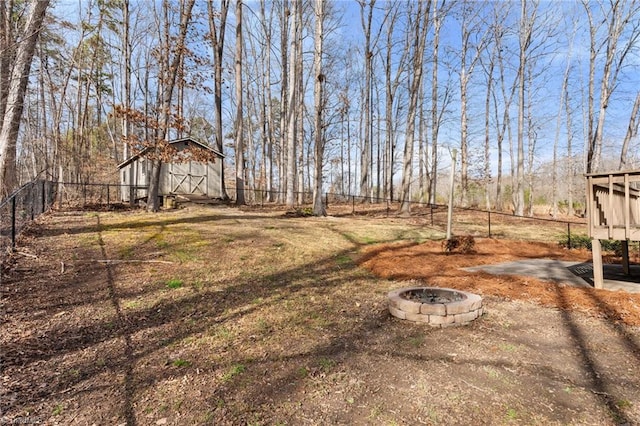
466 221
90 195
36 197
22 207
477 222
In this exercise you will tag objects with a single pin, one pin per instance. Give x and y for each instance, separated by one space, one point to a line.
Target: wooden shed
613 211
180 177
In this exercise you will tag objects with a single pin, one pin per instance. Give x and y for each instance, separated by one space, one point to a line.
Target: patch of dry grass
276 321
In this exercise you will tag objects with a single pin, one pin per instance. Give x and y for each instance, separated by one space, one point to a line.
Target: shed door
198 179
188 178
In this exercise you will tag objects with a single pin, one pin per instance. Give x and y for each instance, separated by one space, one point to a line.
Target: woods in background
358 97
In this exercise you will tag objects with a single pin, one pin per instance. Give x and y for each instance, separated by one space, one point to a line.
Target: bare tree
346 152
467 66
300 109
439 13
239 122
89 60
489 72
295 38
56 77
527 22
421 26
423 168
632 131
532 139
126 74
7 50
365 163
268 108
217 34
391 90
168 74
502 116
620 20
318 104
284 98
15 91
556 142
570 166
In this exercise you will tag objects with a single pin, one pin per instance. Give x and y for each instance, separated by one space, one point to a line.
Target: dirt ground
222 316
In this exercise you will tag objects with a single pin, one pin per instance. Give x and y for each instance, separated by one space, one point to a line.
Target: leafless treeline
362 97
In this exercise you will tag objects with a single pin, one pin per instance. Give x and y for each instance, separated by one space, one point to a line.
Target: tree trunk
423 172
556 142
318 103
526 26
169 73
269 110
422 21
299 108
239 123
378 142
464 156
632 131
487 135
435 117
7 52
391 88
292 103
126 78
502 127
17 87
570 165
217 37
365 163
388 111
531 139
593 52
284 101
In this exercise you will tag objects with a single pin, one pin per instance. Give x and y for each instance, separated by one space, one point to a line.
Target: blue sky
556 17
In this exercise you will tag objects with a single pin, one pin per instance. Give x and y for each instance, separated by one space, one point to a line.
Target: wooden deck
613 211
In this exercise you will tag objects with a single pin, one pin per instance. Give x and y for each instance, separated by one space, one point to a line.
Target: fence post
108 197
13 222
489 213
569 235
132 196
42 198
326 200
431 210
353 204
32 201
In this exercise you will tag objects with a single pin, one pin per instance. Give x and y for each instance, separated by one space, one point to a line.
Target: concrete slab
569 273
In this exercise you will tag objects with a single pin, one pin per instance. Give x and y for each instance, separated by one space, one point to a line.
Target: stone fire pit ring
438 307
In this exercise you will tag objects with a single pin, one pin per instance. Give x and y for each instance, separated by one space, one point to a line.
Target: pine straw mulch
427 262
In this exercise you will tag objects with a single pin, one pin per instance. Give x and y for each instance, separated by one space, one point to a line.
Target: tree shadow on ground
599 382
123 330
144 222
209 308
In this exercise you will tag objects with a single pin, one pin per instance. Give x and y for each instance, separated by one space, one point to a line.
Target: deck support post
625 257
598 276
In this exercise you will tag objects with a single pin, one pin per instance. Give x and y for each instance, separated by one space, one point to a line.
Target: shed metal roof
175 141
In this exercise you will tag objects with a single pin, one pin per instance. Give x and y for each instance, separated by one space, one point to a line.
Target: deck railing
613 205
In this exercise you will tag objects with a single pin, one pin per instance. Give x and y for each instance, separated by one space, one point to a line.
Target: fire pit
438 307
